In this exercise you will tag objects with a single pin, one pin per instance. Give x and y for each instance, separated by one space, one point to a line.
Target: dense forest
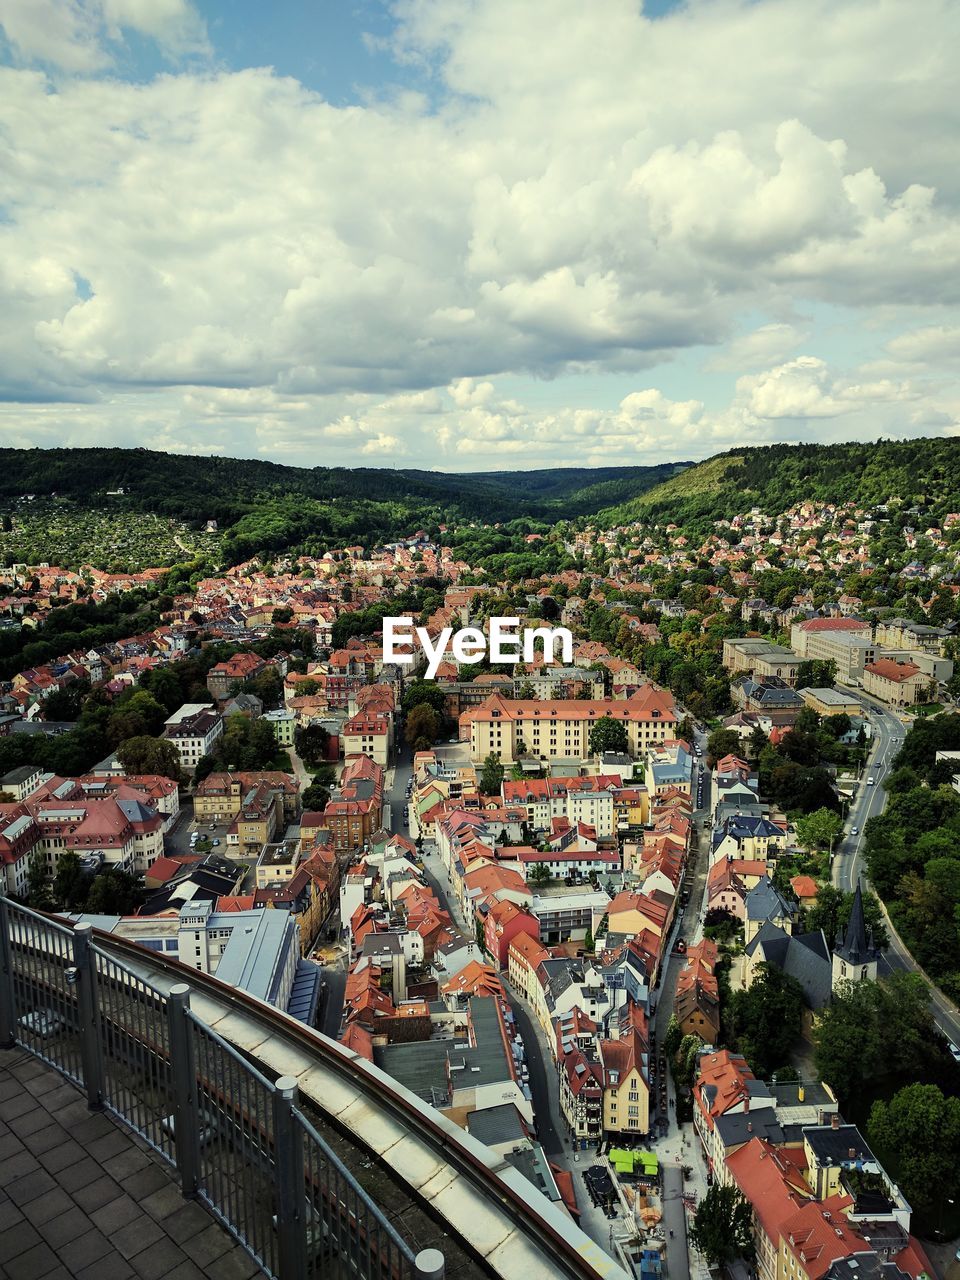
923 473
267 507
263 508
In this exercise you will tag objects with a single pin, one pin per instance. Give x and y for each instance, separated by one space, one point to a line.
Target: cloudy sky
477 234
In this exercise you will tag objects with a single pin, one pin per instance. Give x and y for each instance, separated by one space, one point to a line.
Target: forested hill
229 489
924 473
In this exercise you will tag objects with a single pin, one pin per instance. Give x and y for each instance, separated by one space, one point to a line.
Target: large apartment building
560 730
193 730
118 830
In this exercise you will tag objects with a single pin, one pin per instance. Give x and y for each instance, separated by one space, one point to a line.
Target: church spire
855 948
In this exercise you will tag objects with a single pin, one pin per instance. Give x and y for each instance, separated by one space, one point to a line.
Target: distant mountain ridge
225 489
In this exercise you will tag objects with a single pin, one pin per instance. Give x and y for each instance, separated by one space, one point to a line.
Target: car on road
216 842
870 782
854 831
954 1051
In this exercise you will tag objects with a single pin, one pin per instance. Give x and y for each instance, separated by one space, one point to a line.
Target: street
847 869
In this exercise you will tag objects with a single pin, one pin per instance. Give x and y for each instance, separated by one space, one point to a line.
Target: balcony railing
238 1141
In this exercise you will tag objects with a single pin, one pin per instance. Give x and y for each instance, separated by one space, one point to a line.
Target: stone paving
81 1198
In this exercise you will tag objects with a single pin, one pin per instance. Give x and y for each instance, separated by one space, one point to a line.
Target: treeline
264 506
925 473
913 850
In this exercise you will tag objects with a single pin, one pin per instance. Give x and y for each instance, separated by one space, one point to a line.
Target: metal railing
238 1140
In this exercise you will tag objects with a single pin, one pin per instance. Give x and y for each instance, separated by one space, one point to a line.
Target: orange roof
890 669
804 886
834 624
476 978
236 902
771 1183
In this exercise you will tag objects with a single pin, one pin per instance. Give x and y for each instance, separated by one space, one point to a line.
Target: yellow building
560 730
626 1094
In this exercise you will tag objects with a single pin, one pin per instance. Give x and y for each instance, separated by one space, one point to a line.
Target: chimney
834 1121
746 1104
749 1126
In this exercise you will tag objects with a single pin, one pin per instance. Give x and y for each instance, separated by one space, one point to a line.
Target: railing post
8 1012
183 1073
288 1153
85 976
429 1265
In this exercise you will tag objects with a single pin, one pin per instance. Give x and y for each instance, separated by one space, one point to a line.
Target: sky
474 235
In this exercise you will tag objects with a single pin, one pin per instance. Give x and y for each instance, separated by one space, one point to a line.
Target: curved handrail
564 1255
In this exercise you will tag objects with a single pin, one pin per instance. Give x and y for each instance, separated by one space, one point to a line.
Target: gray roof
532 1163
737 1127
804 956
765 902
496 1125
21 774
420 1066
833 1146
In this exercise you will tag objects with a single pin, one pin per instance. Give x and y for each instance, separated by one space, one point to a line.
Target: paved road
544 1084
868 800
848 866
332 1000
675 1222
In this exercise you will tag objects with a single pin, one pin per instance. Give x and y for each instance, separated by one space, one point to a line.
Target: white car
854 831
869 782
954 1051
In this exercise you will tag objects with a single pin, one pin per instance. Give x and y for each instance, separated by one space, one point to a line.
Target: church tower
854 955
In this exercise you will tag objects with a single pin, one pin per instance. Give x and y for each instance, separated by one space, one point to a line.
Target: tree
722 1226
917 1137
763 1020
312 743
609 735
723 742
150 755
831 912
757 741
818 830
315 798
539 874
672 1038
422 692
422 727
526 691
872 1031
70 884
491 776
816 674
113 893
38 885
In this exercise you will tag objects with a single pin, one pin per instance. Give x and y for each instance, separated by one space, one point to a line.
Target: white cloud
75 35
231 247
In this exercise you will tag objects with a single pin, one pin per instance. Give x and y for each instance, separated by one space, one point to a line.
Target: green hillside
923 473
81 501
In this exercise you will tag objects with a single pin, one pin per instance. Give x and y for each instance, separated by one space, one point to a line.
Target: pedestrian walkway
81 1198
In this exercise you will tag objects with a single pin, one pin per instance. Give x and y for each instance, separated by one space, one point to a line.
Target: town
666 922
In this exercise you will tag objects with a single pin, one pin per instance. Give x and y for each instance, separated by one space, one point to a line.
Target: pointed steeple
855 948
